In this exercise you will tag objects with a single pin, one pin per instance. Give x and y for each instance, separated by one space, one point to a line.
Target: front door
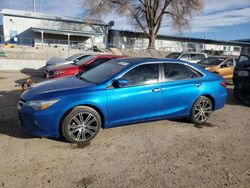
140 100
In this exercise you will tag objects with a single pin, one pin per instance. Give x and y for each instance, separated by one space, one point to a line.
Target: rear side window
174 72
143 75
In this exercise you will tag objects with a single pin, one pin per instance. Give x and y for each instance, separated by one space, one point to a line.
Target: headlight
58 72
207 68
41 105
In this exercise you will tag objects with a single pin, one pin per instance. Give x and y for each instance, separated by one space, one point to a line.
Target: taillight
223 84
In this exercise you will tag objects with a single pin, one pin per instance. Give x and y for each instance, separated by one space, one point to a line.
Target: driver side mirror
120 83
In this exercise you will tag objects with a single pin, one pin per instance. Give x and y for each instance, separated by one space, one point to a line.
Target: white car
192 57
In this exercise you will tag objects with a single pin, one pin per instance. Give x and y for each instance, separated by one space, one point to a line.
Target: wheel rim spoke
90 132
79 135
87 119
76 120
73 131
91 127
81 118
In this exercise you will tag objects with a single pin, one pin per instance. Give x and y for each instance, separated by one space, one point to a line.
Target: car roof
109 56
151 60
222 57
192 52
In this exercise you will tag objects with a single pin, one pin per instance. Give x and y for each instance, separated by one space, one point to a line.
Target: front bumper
44 123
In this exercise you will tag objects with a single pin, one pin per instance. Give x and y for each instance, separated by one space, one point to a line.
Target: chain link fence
30 48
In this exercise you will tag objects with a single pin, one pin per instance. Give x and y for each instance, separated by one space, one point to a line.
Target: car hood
62 67
47 88
55 60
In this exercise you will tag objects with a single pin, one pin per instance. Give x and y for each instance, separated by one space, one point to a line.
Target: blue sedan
120 92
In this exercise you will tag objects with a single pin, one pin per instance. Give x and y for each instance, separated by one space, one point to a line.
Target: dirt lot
155 154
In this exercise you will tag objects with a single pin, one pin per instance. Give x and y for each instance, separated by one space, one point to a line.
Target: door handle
197 85
156 90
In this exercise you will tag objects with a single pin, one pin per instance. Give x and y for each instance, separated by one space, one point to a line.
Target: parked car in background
80 66
118 92
241 79
57 61
192 57
220 65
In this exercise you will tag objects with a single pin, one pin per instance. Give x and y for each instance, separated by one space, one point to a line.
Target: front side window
229 63
143 75
175 72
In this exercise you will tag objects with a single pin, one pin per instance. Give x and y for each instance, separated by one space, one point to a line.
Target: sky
220 19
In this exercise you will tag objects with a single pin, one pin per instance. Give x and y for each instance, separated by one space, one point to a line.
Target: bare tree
148 14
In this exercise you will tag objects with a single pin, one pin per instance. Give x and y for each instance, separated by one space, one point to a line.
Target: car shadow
36 75
9 124
188 122
231 99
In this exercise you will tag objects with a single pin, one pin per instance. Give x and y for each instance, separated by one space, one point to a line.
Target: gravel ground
155 154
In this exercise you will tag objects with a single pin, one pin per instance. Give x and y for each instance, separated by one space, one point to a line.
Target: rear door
180 88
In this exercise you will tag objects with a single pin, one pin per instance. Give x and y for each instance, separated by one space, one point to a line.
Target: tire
201 110
81 125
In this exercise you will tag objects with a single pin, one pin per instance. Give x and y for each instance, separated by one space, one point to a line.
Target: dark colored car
119 92
241 79
80 66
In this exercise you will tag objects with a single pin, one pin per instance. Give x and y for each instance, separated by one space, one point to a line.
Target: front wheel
81 125
201 110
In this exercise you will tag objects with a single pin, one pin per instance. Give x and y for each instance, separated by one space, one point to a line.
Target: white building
31 28
136 40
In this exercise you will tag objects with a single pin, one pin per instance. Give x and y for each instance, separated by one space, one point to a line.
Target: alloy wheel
202 110
82 126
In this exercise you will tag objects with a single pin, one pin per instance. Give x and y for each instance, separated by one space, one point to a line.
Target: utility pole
34 5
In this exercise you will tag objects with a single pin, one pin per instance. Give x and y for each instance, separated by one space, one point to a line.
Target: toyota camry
120 92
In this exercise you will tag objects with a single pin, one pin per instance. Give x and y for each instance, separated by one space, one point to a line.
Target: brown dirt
154 154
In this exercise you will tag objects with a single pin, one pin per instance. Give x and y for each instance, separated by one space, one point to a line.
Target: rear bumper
221 100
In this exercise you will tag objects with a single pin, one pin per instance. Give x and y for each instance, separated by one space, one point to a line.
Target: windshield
173 55
73 57
211 61
105 71
84 60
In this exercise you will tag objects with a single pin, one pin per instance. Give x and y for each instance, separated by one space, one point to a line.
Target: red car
81 66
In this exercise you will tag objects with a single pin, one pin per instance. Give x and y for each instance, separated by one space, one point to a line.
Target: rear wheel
201 110
81 125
